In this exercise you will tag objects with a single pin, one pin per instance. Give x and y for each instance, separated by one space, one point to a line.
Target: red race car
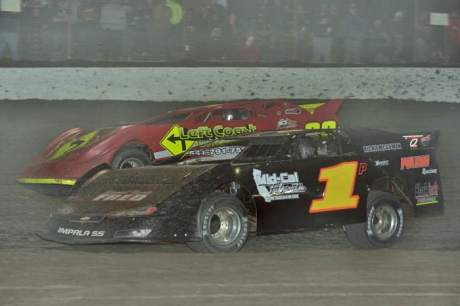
159 139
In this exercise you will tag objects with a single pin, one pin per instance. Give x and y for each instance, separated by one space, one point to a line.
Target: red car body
158 139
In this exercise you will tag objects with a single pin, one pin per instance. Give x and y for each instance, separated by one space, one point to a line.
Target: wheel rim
224 226
384 222
131 163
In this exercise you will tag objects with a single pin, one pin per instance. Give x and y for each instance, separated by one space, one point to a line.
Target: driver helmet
307 148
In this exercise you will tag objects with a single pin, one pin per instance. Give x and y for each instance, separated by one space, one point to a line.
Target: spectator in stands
273 49
399 53
217 11
301 33
337 43
9 28
353 30
54 29
192 39
396 28
113 24
321 32
160 40
423 28
177 15
378 43
137 16
232 33
422 52
453 38
249 49
89 13
216 45
397 33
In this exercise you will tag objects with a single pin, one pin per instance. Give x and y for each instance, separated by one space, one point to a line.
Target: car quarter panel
416 167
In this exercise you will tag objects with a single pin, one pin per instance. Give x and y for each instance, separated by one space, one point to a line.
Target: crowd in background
376 32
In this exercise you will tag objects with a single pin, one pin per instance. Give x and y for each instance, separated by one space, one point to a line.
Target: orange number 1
338 194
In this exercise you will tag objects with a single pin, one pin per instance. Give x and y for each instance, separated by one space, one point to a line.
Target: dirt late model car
283 181
172 134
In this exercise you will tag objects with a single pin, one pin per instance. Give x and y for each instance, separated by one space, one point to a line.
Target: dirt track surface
308 268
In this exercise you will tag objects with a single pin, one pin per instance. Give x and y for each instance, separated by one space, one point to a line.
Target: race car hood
132 192
77 139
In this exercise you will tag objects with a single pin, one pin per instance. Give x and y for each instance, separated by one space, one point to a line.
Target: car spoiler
422 140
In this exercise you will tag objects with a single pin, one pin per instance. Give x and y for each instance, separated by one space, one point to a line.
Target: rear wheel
130 158
383 226
223 223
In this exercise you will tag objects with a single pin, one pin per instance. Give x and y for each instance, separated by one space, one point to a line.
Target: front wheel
130 158
223 223
383 226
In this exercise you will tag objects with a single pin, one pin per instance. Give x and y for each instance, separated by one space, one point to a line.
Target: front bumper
82 229
59 172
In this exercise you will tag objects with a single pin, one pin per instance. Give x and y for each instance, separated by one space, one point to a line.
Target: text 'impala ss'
162 138
281 182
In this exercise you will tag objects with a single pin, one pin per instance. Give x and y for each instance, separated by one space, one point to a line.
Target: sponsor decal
274 186
286 123
215 151
414 140
80 233
426 193
382 147
75 143
278 113
381 163
179 139
414 162
132 196
362 168
292 111
311 107
429 171
85 218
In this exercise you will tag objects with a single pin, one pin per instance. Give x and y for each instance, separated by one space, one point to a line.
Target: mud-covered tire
224 225
383 226
130 158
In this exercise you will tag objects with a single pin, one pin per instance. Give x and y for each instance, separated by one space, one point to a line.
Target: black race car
282 181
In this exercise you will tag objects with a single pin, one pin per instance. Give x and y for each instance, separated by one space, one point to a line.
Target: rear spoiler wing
422 140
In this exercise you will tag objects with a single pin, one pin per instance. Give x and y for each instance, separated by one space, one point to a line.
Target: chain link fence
228 31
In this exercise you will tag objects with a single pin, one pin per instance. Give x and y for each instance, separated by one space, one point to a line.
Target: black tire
224 225
384 224
130 158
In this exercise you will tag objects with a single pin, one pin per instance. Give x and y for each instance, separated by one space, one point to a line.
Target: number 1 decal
338 193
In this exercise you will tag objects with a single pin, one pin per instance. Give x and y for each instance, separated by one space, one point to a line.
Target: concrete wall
224 84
